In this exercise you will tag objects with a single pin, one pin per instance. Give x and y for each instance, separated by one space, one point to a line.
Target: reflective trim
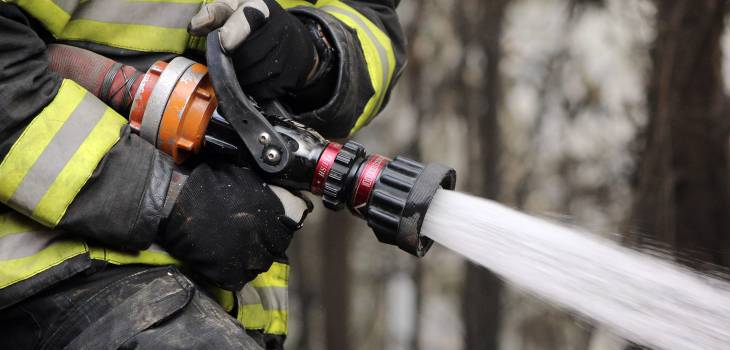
276 276
278 324
270 322
148 26
165 15
16 270
253 316
154 255
25 252
248 296
27 249
25 244
376 47
57 153
53 16
274 298
378 52
263 303
36 136
12 223
80 167
127 36
67 5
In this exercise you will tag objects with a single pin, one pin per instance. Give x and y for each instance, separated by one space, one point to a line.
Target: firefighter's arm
370 51
67 160
333 62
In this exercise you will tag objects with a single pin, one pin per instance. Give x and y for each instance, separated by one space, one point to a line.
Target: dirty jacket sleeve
67 160
370 49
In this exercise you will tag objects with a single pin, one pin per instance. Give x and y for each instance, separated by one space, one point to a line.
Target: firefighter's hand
229 226
273 52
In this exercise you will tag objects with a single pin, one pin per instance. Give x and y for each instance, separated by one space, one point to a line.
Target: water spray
187 109
642 298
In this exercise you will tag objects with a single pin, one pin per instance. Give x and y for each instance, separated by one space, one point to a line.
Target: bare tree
480 29
334 279
682 199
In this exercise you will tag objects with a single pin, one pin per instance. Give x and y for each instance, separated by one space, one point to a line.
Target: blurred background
606 114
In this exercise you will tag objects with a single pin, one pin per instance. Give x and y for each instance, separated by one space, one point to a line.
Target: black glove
274 54
229 226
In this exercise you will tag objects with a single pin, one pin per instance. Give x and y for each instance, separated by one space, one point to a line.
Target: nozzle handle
265 144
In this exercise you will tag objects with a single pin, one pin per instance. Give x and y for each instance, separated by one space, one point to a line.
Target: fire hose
187 109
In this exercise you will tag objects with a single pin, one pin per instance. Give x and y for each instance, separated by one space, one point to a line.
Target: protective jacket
77 187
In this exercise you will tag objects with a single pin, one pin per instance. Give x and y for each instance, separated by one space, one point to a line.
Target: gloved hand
273 53
229 226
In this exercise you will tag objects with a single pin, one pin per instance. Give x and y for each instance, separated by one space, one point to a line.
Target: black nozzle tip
400 200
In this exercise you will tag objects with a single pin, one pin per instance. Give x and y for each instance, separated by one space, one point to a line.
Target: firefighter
104 242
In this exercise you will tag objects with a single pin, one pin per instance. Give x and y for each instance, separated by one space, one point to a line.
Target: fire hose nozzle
391 195
175 107
404 192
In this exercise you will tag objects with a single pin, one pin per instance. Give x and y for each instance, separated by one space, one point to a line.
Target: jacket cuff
152 204
352 90
122 204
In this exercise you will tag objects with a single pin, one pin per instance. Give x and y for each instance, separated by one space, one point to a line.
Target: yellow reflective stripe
253 316
13 223
72 178
224 298
139 37
53 17
378 51
175 1
36 137
151 256
127 36
57 153
278 323
269 321
16 270
376 47
287 4
263 304
276 276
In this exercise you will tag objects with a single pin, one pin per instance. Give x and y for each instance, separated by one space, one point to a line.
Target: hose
112 82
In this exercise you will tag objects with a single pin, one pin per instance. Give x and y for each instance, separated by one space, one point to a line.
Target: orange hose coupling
173 106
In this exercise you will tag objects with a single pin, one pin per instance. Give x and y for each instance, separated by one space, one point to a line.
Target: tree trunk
682 201
414 78
480 28
335 282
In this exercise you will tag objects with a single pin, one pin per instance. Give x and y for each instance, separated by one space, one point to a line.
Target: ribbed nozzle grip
400 200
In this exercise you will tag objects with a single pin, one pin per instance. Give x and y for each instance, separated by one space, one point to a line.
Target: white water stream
642 298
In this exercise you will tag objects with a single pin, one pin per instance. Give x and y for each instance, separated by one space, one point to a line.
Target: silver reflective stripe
159 96
158 14
157 249
273 298
248 296
59 151
382 53
21 245
67 5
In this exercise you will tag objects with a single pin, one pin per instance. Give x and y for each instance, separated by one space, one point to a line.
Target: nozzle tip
400 199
